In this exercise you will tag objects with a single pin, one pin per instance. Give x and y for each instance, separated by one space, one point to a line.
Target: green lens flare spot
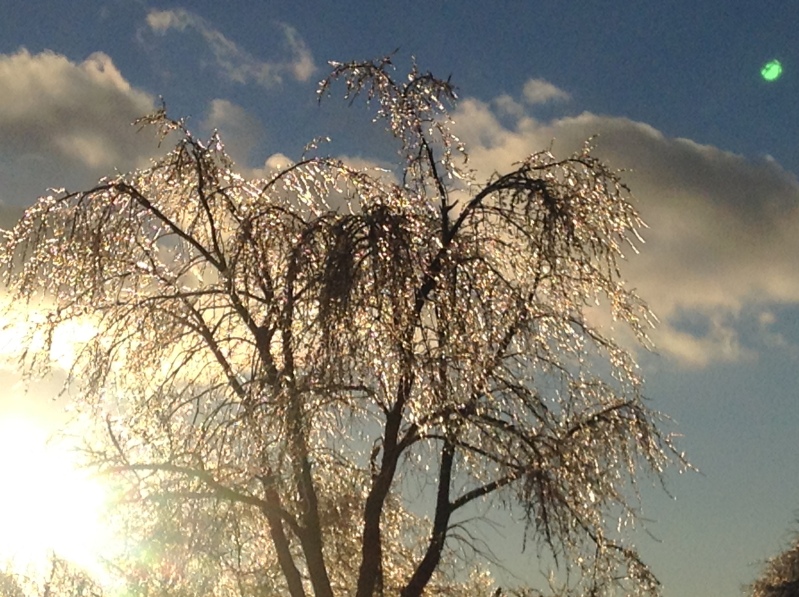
772 70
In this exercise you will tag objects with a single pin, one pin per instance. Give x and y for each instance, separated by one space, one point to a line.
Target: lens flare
772 70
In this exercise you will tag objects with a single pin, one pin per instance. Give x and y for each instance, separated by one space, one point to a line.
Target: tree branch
220 490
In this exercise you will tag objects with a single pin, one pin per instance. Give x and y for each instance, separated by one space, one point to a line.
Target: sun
48 505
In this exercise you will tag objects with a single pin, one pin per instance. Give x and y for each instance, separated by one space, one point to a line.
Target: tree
780 575
61 580
339 371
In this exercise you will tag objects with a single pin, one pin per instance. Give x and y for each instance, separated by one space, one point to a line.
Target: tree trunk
424 571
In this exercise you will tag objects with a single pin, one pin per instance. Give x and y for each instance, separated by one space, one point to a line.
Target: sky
673 91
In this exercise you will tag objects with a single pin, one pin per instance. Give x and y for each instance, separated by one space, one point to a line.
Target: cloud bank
722 242
232 61
65 123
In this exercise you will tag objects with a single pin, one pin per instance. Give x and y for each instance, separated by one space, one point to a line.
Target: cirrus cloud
234 62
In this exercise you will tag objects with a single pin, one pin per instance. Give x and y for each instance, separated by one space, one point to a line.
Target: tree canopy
317 383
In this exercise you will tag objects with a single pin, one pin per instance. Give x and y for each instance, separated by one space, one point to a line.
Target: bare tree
338 373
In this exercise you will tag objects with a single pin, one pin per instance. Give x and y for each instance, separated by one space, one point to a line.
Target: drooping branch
310 534
220 490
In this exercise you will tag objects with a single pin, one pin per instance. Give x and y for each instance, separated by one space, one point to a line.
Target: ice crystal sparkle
291 361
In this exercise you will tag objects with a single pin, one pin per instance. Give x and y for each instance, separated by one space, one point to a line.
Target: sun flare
47 503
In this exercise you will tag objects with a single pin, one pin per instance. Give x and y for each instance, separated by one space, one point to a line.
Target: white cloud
277 162
274 163
161 21
539 91
66 124
234 62
302 65
239 129
507 105
722 242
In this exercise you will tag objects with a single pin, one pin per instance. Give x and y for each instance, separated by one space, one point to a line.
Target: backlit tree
780 574
323 378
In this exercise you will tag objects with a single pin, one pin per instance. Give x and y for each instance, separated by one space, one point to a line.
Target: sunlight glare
47 504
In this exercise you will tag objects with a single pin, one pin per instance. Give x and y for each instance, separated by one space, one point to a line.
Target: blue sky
672 88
